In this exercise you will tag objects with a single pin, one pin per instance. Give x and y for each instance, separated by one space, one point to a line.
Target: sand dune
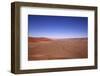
38 39
47 49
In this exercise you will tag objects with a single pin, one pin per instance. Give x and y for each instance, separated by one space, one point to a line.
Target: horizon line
57 38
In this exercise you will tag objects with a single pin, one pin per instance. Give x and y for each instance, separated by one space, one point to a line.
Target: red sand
47 49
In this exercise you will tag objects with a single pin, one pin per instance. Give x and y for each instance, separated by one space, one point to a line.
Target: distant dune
48 49
38 39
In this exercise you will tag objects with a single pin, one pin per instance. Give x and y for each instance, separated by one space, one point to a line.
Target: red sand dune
38 39
48 49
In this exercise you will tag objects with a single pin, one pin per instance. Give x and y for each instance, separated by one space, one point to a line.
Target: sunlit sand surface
48 49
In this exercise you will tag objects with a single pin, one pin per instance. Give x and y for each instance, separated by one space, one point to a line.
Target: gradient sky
57 26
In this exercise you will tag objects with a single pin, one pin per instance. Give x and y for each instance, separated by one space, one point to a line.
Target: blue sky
57 26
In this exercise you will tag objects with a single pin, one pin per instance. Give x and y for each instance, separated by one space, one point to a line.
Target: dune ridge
38 39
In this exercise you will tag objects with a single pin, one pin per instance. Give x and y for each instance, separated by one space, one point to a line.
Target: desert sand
48 49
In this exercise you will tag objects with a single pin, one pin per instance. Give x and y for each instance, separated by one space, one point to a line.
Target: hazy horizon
57 27
57 38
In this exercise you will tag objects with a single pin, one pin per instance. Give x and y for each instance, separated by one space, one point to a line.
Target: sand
58 49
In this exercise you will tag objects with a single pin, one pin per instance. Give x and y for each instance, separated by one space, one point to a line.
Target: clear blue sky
57 26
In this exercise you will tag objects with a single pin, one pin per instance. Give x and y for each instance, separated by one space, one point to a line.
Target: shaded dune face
48 49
